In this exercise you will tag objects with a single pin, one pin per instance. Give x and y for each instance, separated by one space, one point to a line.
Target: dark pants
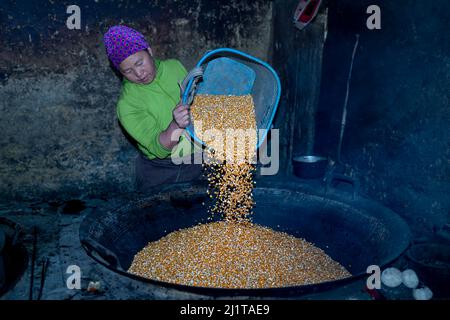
150 173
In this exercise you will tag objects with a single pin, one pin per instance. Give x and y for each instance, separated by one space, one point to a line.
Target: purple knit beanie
121 42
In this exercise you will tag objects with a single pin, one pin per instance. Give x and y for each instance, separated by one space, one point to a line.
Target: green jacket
145 110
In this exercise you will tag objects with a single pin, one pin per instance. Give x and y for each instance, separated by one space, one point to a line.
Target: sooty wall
60 135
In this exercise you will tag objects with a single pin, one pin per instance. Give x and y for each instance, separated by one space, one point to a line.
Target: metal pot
2 266
309 167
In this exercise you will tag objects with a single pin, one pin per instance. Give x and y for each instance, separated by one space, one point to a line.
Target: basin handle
341 177
99 252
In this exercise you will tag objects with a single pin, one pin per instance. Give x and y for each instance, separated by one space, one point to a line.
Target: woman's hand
181 115
181 119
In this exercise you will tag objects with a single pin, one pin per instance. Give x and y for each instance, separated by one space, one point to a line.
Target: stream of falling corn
233 252
228 126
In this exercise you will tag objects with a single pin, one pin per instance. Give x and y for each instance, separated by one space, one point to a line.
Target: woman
150 110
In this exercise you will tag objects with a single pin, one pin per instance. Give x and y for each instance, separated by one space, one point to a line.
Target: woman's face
139 67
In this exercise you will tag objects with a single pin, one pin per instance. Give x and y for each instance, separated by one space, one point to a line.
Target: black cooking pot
309 167
356 233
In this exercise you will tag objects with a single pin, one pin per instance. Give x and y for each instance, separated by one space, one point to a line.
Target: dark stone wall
397 135
60 136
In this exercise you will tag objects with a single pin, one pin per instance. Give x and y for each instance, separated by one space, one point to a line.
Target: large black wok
354 231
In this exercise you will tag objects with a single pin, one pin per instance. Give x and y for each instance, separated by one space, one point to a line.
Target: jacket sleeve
142 127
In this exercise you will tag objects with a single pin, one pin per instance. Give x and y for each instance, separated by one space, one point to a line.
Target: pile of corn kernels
233 253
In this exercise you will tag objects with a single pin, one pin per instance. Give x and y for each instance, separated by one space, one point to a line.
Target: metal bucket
309 167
